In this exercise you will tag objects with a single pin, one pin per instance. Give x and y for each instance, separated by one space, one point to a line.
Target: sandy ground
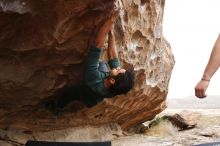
207 130
164 134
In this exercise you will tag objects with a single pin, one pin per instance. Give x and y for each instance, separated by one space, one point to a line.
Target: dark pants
79 92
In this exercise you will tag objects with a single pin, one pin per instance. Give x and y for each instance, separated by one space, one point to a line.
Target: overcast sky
191 27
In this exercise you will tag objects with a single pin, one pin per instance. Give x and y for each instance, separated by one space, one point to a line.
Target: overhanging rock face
43 46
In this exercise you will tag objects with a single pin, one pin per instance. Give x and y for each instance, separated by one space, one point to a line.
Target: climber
211 68
99 82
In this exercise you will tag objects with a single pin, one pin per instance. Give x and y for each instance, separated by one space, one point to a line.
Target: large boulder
43 46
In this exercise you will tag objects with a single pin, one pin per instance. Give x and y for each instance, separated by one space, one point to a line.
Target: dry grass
162 128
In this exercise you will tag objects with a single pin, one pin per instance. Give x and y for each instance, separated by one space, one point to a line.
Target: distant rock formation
43 46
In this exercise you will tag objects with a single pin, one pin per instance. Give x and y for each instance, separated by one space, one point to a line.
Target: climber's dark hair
123 83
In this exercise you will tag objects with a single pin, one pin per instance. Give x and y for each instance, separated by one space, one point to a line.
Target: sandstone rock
208 131
3 143
43 45
184 120
76 134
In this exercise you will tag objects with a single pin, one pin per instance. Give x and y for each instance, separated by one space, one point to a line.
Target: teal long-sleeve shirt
94 78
